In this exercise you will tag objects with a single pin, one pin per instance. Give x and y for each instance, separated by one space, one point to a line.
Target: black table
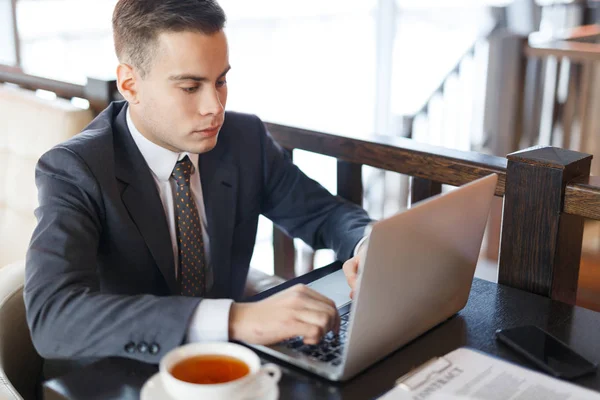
490 307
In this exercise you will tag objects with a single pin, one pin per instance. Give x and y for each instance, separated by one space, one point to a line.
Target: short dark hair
138 23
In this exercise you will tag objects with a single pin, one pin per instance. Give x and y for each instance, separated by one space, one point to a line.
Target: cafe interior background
437 71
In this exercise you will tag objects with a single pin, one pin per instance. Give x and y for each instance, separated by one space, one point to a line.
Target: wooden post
422 189
349 181
100 93
284 252
541 246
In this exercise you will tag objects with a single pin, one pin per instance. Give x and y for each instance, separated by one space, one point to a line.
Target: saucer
153 389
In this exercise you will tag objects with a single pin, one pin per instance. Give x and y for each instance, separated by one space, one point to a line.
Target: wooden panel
541 247
582 197
349 181
401 155
422 189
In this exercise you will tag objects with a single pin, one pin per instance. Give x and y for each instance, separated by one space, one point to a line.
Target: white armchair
29 126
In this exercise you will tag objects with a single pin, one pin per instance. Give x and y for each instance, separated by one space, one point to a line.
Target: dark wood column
541 246
422 189
349 181
284 252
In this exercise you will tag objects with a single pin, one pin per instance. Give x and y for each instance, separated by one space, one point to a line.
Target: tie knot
182 171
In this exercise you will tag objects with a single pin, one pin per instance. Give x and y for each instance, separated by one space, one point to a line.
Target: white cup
259 383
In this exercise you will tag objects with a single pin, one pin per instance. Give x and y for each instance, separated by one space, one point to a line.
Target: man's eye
190 89
221 83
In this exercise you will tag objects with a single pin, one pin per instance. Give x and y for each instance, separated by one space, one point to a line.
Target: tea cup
261 381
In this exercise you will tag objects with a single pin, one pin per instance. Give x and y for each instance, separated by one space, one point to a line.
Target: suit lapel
219 189
142 200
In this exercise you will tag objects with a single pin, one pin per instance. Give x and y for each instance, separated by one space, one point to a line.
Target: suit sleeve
67 314
305 209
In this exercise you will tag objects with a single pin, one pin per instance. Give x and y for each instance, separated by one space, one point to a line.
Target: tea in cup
218 370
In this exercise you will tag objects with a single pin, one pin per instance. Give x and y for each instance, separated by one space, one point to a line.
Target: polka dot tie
192 264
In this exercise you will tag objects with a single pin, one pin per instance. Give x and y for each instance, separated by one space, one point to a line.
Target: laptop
416 273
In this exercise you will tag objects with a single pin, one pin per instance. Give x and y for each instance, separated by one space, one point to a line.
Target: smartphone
546 351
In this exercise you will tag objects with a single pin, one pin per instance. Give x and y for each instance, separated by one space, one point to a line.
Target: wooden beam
541 246
392 153
582 197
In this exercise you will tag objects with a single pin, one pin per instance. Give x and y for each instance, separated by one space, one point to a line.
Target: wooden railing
575 111
98 92
559 76
547 191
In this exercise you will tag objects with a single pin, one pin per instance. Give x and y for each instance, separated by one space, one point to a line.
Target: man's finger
311 333
321 319
318 307
311 325
350 267
351 271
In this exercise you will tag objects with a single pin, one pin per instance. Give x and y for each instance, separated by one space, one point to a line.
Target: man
147 219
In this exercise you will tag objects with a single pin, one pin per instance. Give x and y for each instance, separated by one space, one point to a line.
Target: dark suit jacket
100 275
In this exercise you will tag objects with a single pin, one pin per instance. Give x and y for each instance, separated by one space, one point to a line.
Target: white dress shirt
210 321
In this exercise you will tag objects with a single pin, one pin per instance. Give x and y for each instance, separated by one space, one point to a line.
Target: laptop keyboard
329 350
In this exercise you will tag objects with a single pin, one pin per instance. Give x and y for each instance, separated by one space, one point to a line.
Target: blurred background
444 72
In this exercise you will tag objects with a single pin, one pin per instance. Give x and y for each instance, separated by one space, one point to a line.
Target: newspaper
470 374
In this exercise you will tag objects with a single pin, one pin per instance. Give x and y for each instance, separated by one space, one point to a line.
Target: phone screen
546 351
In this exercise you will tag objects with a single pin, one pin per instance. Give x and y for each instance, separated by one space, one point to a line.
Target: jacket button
142 347
154 348
130 347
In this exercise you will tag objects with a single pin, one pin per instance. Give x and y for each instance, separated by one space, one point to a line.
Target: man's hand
351 271
297 311
350 268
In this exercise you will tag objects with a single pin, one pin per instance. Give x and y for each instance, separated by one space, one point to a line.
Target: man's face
181 101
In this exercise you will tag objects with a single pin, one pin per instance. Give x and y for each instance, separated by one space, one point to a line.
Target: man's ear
127 83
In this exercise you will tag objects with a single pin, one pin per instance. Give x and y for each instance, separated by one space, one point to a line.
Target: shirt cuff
360 242
210 321
364 238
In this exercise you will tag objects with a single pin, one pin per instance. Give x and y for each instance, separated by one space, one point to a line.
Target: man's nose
211 103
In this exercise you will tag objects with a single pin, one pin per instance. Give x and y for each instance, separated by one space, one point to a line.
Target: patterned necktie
192 264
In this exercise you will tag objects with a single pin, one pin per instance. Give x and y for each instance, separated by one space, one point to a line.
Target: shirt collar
160 160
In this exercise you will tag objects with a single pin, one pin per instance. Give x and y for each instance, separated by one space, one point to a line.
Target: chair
20 365
29 126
